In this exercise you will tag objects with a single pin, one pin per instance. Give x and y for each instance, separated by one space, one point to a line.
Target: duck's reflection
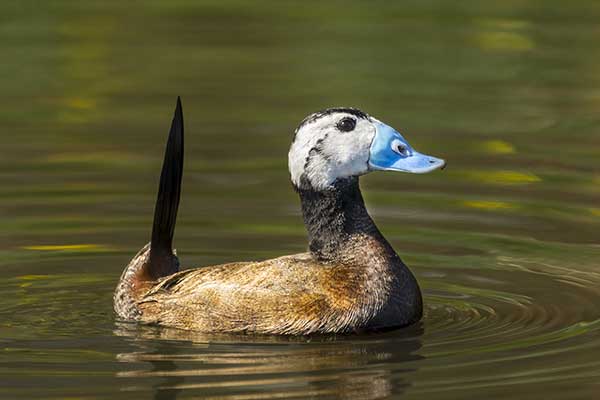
170 361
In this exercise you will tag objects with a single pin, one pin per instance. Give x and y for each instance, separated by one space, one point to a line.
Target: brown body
287 295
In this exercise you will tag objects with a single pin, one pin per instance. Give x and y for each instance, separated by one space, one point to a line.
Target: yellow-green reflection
67 247
497 147
489 205
501 177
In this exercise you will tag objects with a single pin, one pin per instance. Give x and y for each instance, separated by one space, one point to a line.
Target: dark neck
335 215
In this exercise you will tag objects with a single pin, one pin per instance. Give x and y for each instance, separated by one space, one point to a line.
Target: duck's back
292 294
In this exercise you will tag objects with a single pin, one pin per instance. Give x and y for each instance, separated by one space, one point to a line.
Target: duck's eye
400 147
346 124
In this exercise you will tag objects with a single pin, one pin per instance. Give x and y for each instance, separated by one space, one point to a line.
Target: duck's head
339 143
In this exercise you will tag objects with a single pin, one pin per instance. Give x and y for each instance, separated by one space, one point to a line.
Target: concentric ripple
522 323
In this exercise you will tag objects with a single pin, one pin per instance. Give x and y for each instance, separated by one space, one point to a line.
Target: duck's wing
287 295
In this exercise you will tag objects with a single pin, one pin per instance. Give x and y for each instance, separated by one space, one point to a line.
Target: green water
504 242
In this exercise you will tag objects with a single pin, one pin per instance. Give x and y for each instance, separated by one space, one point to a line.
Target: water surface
504 242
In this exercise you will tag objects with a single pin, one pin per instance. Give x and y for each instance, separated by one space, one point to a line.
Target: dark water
505 242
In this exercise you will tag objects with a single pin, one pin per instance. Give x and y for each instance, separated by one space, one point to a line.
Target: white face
331 146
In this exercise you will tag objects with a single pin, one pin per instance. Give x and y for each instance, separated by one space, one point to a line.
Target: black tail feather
167 202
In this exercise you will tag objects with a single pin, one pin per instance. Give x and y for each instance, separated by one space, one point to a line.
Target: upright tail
160 262
156 259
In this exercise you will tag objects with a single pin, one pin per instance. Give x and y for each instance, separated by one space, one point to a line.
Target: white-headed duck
350 280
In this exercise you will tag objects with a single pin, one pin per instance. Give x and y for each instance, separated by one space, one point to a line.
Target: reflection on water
504 242
367 367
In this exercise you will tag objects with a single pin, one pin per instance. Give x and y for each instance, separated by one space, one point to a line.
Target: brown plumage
350 280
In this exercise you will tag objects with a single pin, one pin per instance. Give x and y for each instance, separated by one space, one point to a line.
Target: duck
350 279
